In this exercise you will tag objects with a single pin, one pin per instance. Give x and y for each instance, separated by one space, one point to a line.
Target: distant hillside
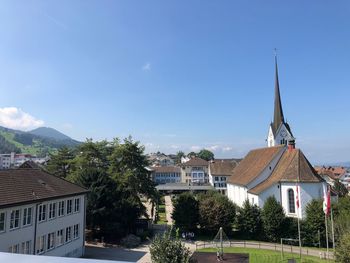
50 133
36 144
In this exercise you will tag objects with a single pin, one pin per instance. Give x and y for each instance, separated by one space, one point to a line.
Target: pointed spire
278 112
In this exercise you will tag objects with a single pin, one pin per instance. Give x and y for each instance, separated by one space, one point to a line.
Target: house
330 174
166 174
13 160
160 159
195 171
277 170
219 171
41 214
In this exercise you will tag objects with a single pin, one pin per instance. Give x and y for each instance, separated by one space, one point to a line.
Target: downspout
84 225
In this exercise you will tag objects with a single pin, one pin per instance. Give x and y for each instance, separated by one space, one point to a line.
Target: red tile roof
196 161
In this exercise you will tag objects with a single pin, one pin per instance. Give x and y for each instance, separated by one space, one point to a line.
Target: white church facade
279 170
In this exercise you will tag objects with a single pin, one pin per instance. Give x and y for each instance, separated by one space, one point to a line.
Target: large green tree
167 249
179 155
273 218
340 188
206 154
185 213
314 223
215 211
60 163
342 250
249 222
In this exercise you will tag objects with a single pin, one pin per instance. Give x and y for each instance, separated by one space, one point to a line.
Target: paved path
168 209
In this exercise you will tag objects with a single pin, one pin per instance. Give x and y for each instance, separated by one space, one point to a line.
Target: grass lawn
161 216
267 256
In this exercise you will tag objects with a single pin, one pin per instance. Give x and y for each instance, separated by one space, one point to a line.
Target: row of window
219 184
197 175
56 239
168 175
23 248
222 178
44 211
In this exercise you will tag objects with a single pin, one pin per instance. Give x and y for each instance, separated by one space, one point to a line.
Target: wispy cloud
54 20
15 118
146 67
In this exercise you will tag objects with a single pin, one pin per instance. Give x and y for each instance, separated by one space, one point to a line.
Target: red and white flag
297 197
326 199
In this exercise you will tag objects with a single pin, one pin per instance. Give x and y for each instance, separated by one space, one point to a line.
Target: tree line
114 173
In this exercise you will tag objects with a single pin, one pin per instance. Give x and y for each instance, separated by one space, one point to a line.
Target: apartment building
14 160
195 171
166 174
41 214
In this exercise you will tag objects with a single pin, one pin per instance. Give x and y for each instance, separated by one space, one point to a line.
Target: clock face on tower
283 133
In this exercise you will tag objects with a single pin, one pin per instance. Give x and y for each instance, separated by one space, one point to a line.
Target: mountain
50 133
39 142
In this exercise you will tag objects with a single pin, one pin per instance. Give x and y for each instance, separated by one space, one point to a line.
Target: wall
237 194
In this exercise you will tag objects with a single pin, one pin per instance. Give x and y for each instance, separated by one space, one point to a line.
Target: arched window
291 201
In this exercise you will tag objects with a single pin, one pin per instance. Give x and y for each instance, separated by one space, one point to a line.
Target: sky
179 75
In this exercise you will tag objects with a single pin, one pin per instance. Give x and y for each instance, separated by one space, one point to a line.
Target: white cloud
213 148
146 67
15 118
195 148
227 149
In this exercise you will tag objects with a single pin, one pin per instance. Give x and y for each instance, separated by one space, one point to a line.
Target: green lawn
161 215
267 256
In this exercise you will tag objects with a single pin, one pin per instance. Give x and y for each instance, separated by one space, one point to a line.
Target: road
168 209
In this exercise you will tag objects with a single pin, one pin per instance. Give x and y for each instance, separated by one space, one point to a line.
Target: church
279 170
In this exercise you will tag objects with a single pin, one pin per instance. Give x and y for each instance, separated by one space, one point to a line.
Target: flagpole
325 221
332 225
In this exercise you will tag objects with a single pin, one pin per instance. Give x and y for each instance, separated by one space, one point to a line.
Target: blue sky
179 75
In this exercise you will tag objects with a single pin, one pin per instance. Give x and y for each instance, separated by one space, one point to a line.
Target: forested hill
46 140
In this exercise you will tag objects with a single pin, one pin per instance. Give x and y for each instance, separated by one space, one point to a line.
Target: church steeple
278 111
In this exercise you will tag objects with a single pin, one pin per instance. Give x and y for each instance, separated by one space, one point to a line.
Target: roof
333 172
253 164
196 161
26 185
278 111
222 167
166 169
292 167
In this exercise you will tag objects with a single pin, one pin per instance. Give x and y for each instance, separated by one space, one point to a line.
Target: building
13 160
195 171
41 214
330 174
219 171
160 159
277 170
166 174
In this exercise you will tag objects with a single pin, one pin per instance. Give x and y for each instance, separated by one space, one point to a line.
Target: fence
270 246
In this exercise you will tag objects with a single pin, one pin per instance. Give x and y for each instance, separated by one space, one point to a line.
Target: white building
41 214
219 171
14 160
166 174
276 171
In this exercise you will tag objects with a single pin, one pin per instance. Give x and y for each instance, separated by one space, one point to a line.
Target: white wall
274 190
237 194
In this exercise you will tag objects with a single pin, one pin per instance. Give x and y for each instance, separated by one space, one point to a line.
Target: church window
291 201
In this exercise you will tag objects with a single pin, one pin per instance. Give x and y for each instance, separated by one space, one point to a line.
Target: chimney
291 145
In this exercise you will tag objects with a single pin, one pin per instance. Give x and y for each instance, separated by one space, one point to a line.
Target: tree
165 249
314 223
340 188
60 164
185 220
205 154
273 218
192 154
215 211
179 155
249 222
342 250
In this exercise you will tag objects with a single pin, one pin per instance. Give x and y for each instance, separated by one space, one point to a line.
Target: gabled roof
222 167
27 185
196 161
166 169
253 164
292 167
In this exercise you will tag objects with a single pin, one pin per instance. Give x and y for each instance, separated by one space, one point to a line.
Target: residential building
160 159
166 174
41 214
219 170
330 174
277 170
195 171
14 160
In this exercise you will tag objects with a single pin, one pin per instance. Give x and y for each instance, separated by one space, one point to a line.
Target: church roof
278 117
253 164
292 167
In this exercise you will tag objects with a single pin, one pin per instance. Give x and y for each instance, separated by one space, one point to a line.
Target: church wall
274 190
237 194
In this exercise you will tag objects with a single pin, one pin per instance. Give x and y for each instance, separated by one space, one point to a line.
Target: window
60 239
68 234
14 248
50 240
42 213
2 221
52 210
76 231
216 178
27 216
61 208
26 247
291 201
69 206
76 205
40 245
14 222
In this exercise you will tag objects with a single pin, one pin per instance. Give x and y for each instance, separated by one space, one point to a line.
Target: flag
326 199
297 197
